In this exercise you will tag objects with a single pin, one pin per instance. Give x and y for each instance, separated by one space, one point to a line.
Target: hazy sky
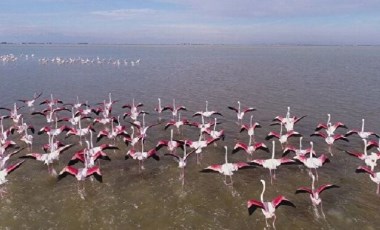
191 21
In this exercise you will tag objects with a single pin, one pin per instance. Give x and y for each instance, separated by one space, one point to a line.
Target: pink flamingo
315 193
240 113
287 121
250 128
81 173
250 148
49 113
30 102
207 113
171 144
227 169
272 163
268 207
199 145
182 161
214 133
159 109
175 109
5 171
330 128
330 139
299 152
14 115
51 102
177 123
283 138
374 176
312 162
362 134
142 155
369 160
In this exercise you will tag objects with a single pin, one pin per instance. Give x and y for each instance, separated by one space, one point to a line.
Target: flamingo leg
330 151
274 220
266 223
323 213
378 189
271 176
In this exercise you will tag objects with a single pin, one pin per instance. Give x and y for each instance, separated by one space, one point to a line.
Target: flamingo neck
273 150
171 135
288 113
91 140
281 130
184 150
312 183
328 118
133 132
362 125
206 106
109 96
215 124
250 121
173 104
239 107
159 103
311 149
225 147
142 145
365 146
300 143
262 193
250 141
179 116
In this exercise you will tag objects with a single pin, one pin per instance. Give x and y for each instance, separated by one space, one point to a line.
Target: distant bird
272 163
207 113
227 169
362 134
177 123
14 115
134 112
175 109
30 102
312 162
315 193
299 152
159 109
240 113
52 101
5 171
49 113
374 176
268 207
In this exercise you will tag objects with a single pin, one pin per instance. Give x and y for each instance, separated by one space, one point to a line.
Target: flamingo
312 162
227 169
5 133
132 138
215 134
330 139
268 207
80 131
250 128
51 102
142 127
362 134
4 157
200 145
28 139
171 144
177 123
330 128
23 126
374 176
74 119
48 158
240 113
299 152
175 109
4 146
250 148
134 112
142 155
315 193
14 115
30 102
53 131
371 144
49 112
81 173
207 113
182 161
90 154
5 171
369 160
77 104
272 163
283 138
159 109
112 133
203 126
287 121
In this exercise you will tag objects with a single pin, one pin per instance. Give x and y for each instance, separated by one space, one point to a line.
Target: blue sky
191 21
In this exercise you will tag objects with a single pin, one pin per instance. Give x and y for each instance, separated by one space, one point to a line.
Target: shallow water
313 81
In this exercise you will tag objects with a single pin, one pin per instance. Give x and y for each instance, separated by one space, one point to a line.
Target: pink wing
256 203
13 167
304 189
326 186
278 200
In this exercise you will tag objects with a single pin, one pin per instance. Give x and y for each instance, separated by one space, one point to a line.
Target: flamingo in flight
203 126
142 127
177 123
4 157
214 133
315 193
287 121
5 171
171 144
77 104
374 176
250 148
30 102
49 113
141 156
81 173
371 144
182 161
132 139
369 160
227 169
159 109
312 162
23 126
299 152
52 101
14 115
250 128
283 138
207 113
240 113
199 145
134 112
330 128
330 139
268 207
272 163
175 109
362 134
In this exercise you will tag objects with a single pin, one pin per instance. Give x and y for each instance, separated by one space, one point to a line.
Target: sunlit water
313 81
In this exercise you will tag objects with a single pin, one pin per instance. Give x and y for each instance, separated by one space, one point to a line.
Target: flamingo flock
81 121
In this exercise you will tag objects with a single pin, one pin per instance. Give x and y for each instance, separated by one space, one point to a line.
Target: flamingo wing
326 186
96 172
271 135
365 169
321 126
233 108
253 204
303 190
11 168
212 168
281 200
238 146
67 170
